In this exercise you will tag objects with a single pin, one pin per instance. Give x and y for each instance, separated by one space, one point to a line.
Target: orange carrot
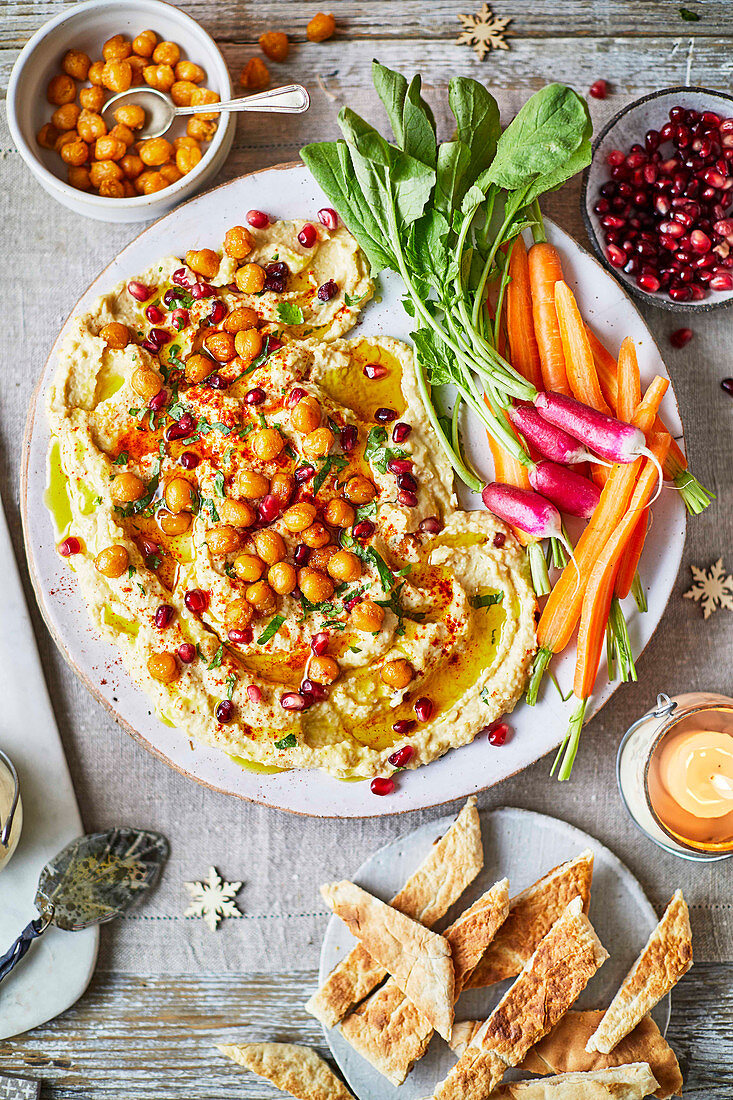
524 354
579 363
629 383
544 272
510 472
632 555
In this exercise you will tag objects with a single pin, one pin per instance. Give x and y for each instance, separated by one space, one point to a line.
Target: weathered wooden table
149 1035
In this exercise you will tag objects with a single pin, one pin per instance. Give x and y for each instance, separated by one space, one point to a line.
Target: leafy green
122 459
289 313
289 742
330 462
487 600
217 658
376 451
271 629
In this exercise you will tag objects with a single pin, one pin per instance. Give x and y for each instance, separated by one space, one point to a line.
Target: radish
550 441
526 510
569 491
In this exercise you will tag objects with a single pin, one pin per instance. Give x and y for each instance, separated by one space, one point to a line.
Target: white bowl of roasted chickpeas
75 64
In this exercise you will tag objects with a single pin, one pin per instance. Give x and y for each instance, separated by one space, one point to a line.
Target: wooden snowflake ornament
484 31
712 587
213 899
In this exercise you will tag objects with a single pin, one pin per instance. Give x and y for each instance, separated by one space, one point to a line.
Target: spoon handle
291 99
11 958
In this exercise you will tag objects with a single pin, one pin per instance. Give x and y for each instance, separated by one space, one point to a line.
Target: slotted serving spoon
92 880
160 112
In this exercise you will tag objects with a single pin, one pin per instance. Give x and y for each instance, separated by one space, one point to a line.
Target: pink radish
550 441
528 511
610 438
569 491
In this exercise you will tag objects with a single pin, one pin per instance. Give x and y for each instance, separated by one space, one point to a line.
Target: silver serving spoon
292 99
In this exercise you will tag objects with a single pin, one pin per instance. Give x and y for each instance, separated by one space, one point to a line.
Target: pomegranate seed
278 268
317 692
651 140
327 291
423 709
680 293
268 508
189 460
431 525
408 499
164 616
308 236
599 89
186 653
183 277
319 643
196 600
677 114
254 694
384 415
180 429
401 431
601 207
69 546
296 394
615 158
403 726
375 370
255 396
700 241
149 547
328 217
139 291
381 786
348 437
241 637
615 255
275 283
304 473
408 482
225 711
498 734
257 219
179 318
400 466
158 401
294 700
648 282
727 386
724 227
301 554
150 346
680 337
721 282
364 529
635 160
713 178
672 229
154 314
612 221
218 312
402 757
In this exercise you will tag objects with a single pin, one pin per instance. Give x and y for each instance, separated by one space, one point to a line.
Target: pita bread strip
449 868
294 1069
630 1082
419 960
531 915
663 961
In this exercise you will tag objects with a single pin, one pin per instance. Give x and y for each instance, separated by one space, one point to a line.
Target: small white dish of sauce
11 810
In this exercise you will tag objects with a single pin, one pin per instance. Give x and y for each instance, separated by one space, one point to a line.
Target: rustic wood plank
128 1033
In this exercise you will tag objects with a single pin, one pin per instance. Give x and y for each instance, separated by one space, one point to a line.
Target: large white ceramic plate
523 846
288 192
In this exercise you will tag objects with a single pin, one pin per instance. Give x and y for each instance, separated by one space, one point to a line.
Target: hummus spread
260 517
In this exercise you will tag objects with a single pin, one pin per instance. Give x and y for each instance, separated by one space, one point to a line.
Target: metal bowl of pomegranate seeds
657 198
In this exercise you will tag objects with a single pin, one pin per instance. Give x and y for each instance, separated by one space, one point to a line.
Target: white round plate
290 192
523 846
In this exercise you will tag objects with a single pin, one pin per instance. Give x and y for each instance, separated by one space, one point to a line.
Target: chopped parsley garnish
154 561
377 451
488 600
175 411
288 742
330 462
271 629
174 352
485 696
266 351
216 659
219 484
122 459
137 507
262 420
352 300
289 314
231 683
209 507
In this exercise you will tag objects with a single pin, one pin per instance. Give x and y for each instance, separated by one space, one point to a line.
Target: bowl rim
704 306
51 181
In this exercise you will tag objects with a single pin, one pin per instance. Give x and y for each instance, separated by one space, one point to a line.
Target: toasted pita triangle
294 1069
531 915
558 971
563 1050
387 1029
632 1082
449 867
666 957
419 960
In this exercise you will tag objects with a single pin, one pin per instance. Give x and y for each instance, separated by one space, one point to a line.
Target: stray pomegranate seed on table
381 786
727 386
599 89
680 337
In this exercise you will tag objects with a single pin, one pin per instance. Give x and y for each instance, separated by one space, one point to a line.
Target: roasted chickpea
126 488
101 170
112 562
238 242
320 27
241 318
281 486
181 92
124 134
315 586
338 513
252 485
199 129
324 670
149 182
316 535
170 173
203 261
202 96
117 336
299 517
250 278
47 136
248 567
92 99
397 674
159 76
261 596
112 189
359 490
91 126
367 616
221 346
65 139
117 75
344 566
187 70
66 117
255 76
79 178
275 45
75 152
138 66
146 382
248 344
155 151
76 64
130 114
144 43
321 556
238 614
187 159
180 495
237 513
163 667
317 443
267 443
173 524
269 545
282 577
61 89
95 74
166 53
222 540
109 148
129 190
306 416
198 367
116 48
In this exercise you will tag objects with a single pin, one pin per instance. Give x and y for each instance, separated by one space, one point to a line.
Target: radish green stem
637 591
569 748
541 661
538 569
620 631
695 495
610 652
